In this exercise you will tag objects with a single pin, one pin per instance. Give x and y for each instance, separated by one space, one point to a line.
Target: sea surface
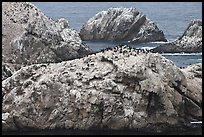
171 17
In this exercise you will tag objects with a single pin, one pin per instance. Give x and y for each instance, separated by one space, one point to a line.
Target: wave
182 54
196 60
196 122
147 48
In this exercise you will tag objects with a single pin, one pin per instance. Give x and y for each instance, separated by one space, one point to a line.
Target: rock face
189 42
7 70
29 37
121 24
193 74
118 88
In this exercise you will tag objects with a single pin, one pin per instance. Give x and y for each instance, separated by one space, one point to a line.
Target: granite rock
118 88
189 42
126 24
30 37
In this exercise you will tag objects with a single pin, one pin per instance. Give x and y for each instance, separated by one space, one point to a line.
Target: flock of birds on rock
125 49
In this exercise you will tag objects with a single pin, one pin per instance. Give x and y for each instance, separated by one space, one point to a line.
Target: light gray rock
30 37
121 24
190 41
120 88
193 74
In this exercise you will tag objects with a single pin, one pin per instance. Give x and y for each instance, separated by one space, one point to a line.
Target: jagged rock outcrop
189 42
119 88
193 74
29 37
121 24
7 70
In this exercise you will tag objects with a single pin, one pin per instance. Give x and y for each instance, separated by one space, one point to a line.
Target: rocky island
126 24
189 42
30 37
119 88
51 80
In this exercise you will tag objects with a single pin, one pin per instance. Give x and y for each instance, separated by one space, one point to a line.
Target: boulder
189 42
118 88
193 73
126 24
30 37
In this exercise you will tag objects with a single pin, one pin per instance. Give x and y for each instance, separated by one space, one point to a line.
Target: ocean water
171 17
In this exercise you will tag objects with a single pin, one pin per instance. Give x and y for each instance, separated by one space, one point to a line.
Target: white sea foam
182 54
147 48
196 122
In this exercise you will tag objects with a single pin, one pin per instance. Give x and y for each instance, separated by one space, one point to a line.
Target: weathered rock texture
29 37
190 41
115 89
121 24
7 70
193 74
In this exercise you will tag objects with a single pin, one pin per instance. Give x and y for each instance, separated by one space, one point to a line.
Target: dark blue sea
171 17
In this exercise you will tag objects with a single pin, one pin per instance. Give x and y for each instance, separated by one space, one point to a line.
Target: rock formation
7 70
193 74
118 88
189 42
29 37
121 24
